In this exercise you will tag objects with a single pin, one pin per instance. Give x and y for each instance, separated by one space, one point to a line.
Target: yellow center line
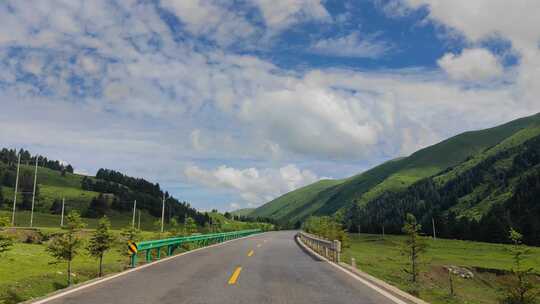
250 253
235 275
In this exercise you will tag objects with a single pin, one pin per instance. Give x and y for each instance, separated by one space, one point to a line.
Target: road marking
259 245
235 275
264 241
250 253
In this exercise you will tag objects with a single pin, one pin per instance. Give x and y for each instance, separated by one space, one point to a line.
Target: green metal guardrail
173 243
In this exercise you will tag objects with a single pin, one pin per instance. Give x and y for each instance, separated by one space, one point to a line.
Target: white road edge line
361 280
67 292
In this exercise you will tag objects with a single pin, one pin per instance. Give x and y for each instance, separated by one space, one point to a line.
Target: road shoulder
389 291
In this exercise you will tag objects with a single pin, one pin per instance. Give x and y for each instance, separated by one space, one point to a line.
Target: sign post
132 249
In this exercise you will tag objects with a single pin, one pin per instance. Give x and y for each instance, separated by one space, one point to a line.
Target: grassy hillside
479 199
53 186
47 220
119 192
288 206
327 197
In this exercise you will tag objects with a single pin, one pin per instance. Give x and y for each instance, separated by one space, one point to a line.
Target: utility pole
139 223
185 219
163 213
62 218
16 186
134 210
433 223
34 194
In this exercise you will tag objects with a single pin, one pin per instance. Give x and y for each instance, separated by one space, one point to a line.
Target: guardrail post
134 260
148 255
170 250
158 255
337 250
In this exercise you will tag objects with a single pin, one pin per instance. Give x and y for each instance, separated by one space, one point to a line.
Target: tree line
125 190
432 201
10 157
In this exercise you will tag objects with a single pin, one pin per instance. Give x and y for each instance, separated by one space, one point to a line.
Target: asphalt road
277 271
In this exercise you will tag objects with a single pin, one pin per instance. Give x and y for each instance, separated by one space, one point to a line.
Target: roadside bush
33 238
6 242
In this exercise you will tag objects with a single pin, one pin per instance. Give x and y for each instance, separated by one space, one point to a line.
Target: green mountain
328 197
479 199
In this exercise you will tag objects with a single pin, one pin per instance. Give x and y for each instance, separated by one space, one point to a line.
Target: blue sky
229 104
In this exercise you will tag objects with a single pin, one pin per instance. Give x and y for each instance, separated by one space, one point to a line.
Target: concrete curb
74 288
393 293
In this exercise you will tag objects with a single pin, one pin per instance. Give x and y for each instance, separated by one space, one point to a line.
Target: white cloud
351 45
471 65
255 186
196 140
479 19
146 102
206 18
234 206
281 14
226 25
482 20
308 118
82 172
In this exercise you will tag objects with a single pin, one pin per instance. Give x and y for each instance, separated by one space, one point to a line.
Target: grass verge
489 263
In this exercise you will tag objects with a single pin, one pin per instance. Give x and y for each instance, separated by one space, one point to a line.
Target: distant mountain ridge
338 196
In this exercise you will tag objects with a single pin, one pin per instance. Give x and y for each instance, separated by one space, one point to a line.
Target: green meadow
489 263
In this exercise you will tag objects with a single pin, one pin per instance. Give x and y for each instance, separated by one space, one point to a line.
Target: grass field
382 259
45 220
36 275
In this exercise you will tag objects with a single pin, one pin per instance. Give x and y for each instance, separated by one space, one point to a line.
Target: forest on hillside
506 184
148 195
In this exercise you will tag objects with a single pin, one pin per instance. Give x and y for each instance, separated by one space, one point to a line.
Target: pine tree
190 226
98 207
101 241
66 246
521 290
56 207
413 248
